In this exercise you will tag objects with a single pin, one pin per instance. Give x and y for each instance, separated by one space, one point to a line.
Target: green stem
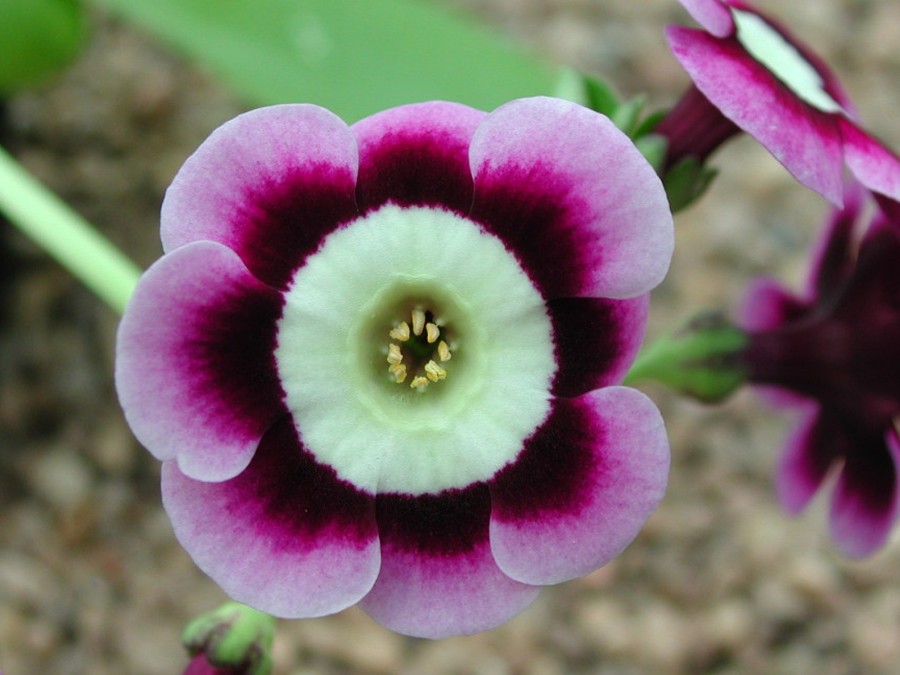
65 235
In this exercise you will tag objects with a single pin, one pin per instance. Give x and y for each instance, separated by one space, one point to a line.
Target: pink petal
269 184
582 488
195 368
890 210
865 502
417 155
572 198
833 259
805 140
713 15
871 163
779 397
595 341
286 536
768 306
808 456
438 577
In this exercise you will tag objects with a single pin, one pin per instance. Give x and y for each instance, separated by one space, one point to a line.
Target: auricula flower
750 74
380 362
832 352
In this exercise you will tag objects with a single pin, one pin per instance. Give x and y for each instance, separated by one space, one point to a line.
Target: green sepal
600 96
37 38
703 360
233 636
586 90
648 124
653 148
687 181
628 115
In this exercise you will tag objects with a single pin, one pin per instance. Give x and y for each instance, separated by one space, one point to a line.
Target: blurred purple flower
834 352
750 74
289 357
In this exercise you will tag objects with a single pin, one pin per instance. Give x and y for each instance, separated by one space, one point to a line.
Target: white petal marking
473 418
783 60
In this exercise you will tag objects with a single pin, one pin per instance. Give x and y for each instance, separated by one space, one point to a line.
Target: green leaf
353 56
37 37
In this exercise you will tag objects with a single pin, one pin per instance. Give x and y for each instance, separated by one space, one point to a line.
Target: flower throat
417 350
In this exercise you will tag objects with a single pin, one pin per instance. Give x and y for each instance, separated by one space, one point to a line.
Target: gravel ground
720 581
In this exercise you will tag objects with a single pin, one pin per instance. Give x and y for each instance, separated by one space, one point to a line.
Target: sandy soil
720 581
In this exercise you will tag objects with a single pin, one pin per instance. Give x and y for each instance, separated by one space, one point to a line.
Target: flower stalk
694 128
65 235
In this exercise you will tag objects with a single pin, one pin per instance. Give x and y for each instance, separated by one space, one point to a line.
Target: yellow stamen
398 370
394 354
434 372
432 332
418 321
400 332
418 364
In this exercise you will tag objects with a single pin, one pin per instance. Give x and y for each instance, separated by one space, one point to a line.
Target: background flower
772 86
832 353
307 267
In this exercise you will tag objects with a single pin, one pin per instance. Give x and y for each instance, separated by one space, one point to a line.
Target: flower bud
231 640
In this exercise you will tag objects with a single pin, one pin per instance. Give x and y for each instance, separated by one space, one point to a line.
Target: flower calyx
703 360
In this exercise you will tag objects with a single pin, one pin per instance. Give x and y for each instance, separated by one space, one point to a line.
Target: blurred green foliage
37 37
353 56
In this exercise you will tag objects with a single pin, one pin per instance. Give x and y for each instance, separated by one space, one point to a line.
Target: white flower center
783 60
415 354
